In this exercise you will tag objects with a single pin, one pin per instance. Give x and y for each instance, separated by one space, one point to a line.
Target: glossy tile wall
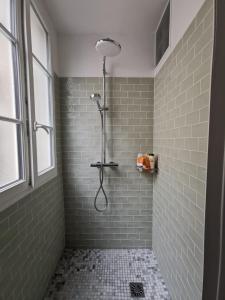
127 223
32 236
181 117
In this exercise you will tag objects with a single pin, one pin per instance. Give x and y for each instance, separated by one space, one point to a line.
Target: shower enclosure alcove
105 123
179 96
125 106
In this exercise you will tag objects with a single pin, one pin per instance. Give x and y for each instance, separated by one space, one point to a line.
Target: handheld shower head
96 98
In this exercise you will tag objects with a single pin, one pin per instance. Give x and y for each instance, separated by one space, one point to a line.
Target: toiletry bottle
152 161
140 161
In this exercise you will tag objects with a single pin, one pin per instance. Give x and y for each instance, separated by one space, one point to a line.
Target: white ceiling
105 16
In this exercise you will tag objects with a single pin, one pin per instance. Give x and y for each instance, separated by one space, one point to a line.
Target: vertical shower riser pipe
104 113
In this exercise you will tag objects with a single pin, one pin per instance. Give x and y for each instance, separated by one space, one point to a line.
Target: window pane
7 87
43 150
41 95
5 8
38 39
9 149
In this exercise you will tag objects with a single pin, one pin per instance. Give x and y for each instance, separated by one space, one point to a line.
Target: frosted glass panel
41 95
43 150
38 39
5 13
9 162
7 94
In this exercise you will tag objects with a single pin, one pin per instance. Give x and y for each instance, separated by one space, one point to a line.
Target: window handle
42 126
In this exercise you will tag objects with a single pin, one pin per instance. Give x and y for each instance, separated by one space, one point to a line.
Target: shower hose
101 172
101 180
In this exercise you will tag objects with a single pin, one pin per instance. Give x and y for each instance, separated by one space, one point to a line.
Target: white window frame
31 180
38 180
8 193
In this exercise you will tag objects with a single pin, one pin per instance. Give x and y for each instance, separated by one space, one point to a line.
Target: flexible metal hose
101 171
101 180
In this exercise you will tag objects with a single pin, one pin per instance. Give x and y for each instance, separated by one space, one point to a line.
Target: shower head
96 98
108 47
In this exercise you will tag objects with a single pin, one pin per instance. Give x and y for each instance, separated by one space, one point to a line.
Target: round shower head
108 47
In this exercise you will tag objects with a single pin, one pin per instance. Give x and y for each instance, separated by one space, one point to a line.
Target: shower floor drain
137 290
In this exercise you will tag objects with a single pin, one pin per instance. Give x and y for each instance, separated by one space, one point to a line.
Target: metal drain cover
137 290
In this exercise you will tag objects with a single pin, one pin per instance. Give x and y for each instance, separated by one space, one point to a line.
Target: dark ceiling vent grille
163 34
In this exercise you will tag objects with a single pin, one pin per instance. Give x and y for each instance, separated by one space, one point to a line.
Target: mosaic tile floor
105 275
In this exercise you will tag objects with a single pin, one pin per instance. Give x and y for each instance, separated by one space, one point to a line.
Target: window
42 95
163 34
27 157
12 121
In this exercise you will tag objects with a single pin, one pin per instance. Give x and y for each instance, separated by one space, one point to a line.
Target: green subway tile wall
127 223
181 117
32 236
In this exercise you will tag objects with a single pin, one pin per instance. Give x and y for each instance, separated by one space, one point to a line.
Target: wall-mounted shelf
147 163
154 171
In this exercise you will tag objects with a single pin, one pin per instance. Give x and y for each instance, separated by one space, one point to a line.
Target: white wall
182 14
78 58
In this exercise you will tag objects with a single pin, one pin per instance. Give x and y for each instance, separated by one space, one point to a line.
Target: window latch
42 126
